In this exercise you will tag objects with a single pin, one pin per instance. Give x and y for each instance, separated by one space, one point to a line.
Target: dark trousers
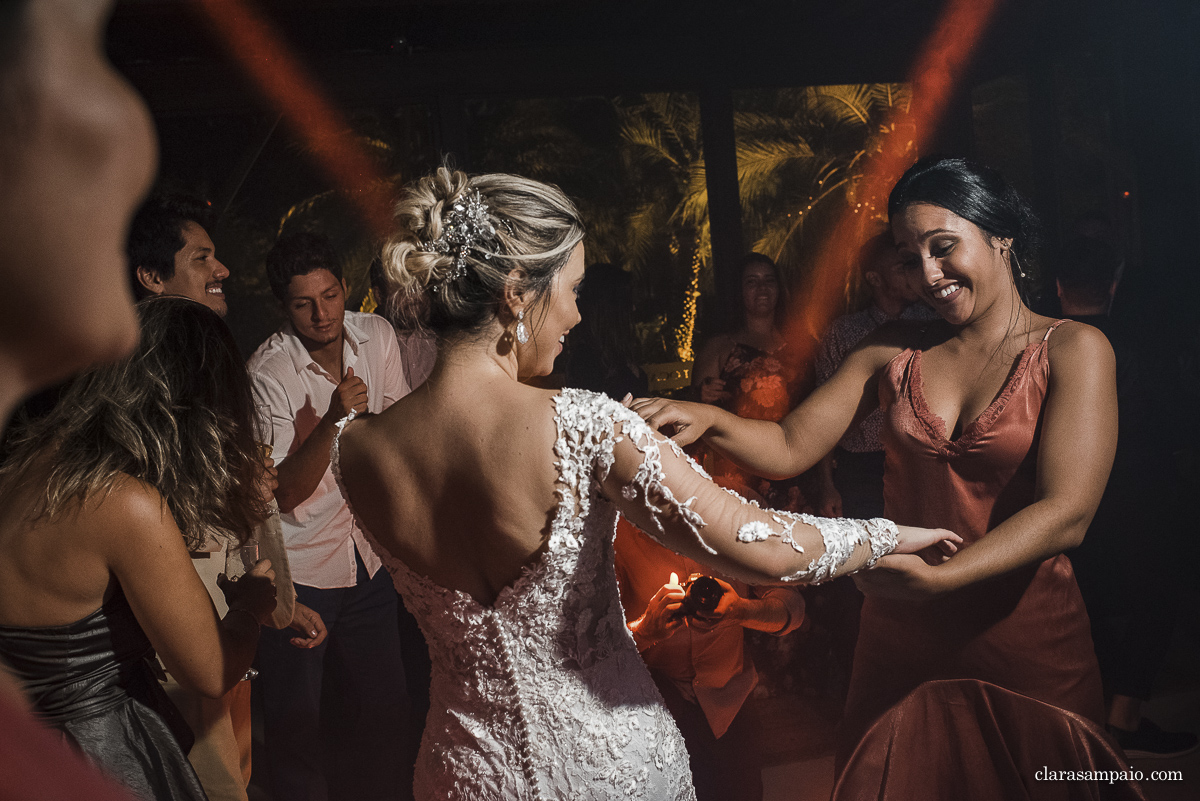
725 769
336 717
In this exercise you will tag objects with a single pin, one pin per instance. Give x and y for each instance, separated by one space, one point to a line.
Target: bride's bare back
457 479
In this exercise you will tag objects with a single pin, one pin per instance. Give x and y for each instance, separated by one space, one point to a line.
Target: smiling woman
949 216
999 424
753 372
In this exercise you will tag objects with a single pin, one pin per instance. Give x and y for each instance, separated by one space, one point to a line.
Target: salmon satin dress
1026 631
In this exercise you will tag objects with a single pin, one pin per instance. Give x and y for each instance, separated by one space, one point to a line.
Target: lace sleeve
649 477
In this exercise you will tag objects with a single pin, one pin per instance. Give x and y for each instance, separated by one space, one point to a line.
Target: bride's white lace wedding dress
543 695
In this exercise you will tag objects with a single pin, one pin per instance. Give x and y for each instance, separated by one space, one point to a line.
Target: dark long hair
178 414
979 195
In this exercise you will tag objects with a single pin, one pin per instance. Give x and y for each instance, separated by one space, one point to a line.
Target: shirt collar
352 335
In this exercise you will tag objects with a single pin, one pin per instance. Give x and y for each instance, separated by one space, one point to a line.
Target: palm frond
852 101
761 162
647 140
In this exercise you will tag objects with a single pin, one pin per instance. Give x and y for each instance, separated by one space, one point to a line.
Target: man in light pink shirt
323 363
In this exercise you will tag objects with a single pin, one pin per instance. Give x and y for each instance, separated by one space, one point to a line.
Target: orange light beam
937 71
266 59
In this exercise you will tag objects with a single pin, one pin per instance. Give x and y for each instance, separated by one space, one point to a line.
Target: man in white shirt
323 363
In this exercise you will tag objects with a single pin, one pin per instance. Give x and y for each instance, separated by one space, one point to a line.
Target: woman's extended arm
146 553
811 430
666 495
1075 454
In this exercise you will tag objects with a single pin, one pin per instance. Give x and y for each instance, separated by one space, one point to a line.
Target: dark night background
1088 107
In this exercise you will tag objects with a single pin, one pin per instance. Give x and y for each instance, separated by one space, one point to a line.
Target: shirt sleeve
828 357
274 414
792 600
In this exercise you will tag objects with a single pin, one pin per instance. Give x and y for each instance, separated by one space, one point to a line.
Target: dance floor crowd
451 546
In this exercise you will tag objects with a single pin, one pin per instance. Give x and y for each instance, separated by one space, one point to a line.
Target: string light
687 328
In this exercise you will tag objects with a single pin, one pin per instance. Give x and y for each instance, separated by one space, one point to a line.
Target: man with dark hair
322 364
170 252
1133 603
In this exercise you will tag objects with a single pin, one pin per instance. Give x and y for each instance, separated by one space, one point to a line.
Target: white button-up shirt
320 533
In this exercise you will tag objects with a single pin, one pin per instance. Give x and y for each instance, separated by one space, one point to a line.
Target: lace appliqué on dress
841 536
649 481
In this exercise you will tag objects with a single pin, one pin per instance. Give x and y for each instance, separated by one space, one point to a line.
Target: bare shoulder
359 443
131 510
364 426
1075 345
131 499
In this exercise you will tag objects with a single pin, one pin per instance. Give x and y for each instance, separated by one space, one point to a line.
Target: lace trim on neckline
974 430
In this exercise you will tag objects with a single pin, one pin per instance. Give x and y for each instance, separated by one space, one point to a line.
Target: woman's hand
254 592
662 616
310 625
904 577
682 421
713 391
938 540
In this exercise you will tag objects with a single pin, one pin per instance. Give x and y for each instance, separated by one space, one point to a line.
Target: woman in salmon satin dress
1000 425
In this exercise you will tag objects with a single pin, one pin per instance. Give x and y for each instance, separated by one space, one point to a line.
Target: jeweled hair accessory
463 228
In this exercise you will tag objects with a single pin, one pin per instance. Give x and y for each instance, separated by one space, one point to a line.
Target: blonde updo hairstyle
537 228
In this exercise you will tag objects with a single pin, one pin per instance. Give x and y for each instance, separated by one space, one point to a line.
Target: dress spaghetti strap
1054 325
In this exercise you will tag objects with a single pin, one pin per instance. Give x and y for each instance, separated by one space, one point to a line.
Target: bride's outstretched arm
800 440
668 496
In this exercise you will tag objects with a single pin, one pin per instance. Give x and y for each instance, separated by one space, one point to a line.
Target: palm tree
801 153
669 225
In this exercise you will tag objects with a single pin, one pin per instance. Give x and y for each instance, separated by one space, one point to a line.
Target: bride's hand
682 421
941 544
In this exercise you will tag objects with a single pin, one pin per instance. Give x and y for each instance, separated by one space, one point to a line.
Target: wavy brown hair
178 414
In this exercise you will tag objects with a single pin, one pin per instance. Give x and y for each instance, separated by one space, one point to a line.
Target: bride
493 505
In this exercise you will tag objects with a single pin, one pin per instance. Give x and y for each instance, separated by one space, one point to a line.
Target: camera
701 595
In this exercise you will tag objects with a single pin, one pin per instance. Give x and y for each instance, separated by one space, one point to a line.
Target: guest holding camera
690 634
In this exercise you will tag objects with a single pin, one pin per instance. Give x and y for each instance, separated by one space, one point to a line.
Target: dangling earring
522 331
1012 255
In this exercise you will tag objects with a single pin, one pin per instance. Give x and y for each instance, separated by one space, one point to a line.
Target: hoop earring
522 331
